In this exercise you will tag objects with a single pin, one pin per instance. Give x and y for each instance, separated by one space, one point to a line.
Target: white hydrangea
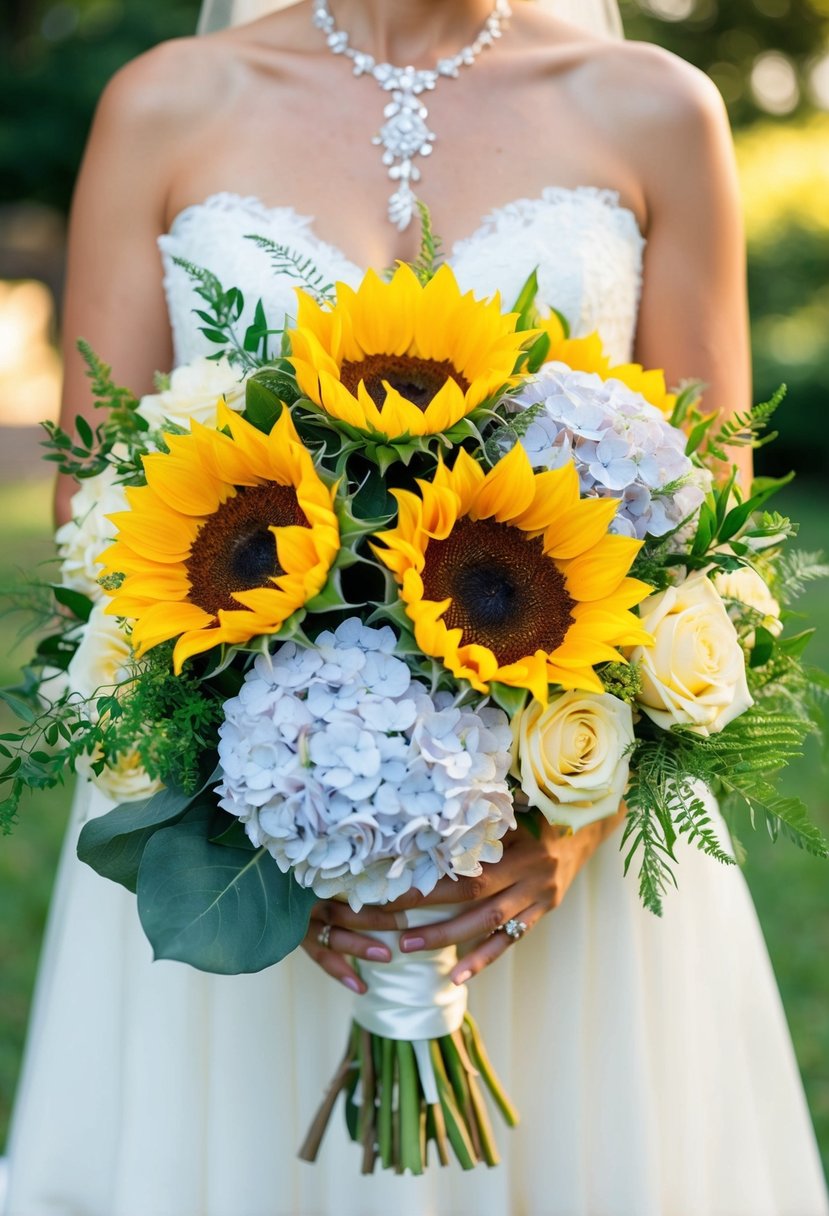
341 764
622 446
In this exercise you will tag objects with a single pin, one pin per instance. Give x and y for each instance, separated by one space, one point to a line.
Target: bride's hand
336 935
531 879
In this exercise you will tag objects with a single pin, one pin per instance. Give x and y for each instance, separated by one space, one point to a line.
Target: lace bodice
586 247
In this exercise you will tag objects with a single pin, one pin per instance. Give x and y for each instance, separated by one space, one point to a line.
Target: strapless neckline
258 208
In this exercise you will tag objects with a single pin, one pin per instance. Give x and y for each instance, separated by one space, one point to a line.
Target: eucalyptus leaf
231 834
113 844
223 910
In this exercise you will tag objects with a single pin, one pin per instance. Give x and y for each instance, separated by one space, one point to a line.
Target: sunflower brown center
235 549
418 380
506 593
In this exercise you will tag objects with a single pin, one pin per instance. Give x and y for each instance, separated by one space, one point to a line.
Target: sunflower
401 359
230 536
510 576
587 355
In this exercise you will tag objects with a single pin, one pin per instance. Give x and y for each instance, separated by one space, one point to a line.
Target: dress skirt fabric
650 1061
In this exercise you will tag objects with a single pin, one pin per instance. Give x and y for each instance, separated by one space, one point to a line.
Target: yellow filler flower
510 576
587 355
401 359
228 538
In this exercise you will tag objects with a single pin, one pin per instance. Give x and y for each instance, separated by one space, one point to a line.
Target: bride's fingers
478 921
331 949
345 941
333 912
497 944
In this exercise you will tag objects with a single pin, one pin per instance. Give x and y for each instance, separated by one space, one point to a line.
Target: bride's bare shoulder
171 86
662 115
184 83
648 84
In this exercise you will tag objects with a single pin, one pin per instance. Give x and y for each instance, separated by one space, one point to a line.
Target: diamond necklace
405 134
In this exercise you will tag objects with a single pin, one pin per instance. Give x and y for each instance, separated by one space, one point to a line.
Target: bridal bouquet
326 610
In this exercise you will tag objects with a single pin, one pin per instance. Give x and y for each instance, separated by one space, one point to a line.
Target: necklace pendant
405 133
403 136
401 206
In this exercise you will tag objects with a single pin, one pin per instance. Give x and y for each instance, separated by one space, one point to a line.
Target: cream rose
747 587
103 661
571 756
694 675
103 658
194 391
124 781
82 540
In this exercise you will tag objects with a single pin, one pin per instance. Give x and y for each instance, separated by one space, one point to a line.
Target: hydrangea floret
622 446
358 779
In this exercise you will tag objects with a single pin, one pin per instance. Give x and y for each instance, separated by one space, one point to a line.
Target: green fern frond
285 260
796 569
642 834
426 263
745 429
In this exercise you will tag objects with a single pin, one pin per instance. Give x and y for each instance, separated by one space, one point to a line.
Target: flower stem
455 1126
386 1093
409 1102
311 1145
477 1052
368 1123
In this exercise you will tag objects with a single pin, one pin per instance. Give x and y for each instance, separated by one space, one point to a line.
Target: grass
790 888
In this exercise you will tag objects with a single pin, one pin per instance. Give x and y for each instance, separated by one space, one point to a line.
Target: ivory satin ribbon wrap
412 997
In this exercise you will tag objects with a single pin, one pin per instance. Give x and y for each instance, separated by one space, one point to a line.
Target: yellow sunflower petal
181 567
599 571
507 490
434 326
576 607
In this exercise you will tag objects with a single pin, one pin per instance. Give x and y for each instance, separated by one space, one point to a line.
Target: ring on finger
324 937
513 928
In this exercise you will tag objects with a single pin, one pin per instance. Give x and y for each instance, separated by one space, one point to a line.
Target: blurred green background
770 58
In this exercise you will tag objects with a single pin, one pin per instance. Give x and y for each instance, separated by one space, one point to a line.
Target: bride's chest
305 137
584 246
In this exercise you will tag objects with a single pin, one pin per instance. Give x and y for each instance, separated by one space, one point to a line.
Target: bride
650 1059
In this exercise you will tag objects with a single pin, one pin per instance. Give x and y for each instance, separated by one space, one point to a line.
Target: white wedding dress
650 1059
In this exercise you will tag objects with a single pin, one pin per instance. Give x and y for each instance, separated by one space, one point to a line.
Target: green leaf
797 643
511 700
525 304
79 605
232 835
20 708
538 352
223 910
113 844
215 335
11 769
262 407
84 431
706 526
698 433
763 647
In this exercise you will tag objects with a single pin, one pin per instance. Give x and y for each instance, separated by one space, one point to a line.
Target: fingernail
461 978
353 984
378 954
412 943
